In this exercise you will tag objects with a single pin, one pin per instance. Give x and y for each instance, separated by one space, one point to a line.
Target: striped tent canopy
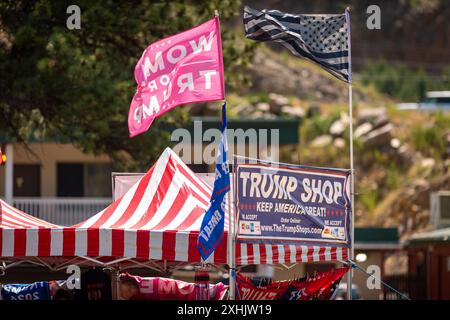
13 218
156 219
22 234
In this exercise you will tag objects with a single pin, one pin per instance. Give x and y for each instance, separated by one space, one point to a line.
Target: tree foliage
403 83
77 84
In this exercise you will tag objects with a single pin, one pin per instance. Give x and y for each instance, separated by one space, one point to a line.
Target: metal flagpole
231 233
231 245
352 169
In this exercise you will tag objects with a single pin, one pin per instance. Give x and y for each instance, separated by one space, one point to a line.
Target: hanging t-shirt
34 291
95 285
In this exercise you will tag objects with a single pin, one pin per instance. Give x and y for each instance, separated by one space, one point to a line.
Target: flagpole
231 238
352 169
231 233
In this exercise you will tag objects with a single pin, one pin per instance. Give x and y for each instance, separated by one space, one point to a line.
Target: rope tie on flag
354 265
138 97
2 268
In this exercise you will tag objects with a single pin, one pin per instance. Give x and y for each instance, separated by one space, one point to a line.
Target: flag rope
354 265
233 275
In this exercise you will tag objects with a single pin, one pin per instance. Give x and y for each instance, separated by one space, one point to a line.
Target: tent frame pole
115 282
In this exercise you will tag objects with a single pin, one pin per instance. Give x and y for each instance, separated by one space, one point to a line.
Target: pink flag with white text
180 69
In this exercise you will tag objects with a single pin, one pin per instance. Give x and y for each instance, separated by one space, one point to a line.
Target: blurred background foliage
403 83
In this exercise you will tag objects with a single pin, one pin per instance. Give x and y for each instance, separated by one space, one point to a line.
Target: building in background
56 182
429 259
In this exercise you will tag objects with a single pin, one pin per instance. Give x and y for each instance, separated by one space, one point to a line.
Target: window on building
84 179
27 180
199 168
70 178
97 180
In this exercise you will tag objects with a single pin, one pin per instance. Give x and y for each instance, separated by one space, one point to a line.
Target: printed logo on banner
250 227
333 233
295 203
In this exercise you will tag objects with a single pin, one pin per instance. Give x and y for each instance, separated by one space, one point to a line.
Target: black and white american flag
321 38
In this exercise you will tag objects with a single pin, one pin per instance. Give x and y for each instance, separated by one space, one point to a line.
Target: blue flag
34 291
211 231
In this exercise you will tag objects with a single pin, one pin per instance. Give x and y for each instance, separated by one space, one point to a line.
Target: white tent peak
169 196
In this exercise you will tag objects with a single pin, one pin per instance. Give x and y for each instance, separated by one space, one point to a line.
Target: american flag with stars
321 38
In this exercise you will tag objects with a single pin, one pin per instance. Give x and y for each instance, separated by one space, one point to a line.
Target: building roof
439 235
376 238
288 127
376 235
438 94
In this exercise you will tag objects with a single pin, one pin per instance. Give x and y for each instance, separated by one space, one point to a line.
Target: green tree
78 84
403 83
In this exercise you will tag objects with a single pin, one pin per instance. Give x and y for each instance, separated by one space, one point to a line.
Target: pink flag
181 69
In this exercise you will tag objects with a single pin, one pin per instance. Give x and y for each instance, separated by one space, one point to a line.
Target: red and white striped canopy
22 234
157 219
13 218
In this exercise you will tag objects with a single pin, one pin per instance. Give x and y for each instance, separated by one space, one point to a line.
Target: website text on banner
180 69
293 203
